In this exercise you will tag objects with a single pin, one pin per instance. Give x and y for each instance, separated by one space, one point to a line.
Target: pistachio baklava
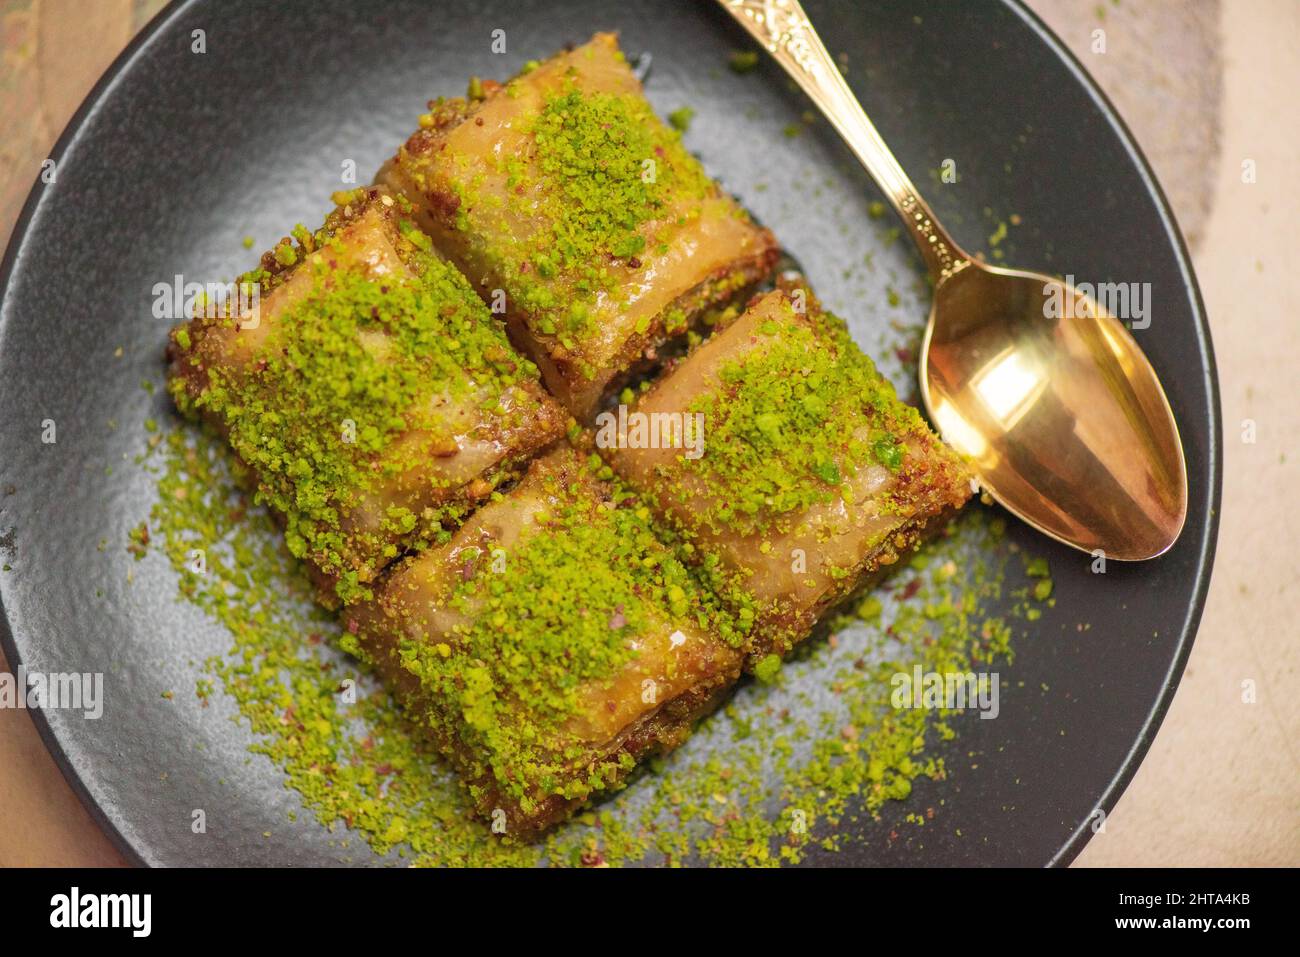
369 392
805 475
580 216
550 645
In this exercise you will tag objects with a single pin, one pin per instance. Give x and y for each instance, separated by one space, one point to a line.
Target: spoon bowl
1057 410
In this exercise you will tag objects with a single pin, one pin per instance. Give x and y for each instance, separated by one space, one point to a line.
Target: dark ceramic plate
176 156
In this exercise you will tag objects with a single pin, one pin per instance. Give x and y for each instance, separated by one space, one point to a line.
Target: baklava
580 216
370 393
805 475
550 645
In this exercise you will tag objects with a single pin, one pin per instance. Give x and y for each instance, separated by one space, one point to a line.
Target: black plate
177 155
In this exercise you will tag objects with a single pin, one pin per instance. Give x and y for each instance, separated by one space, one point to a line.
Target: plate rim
1206 548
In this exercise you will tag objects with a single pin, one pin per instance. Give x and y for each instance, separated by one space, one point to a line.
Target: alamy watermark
71 691
1126 301
133 912
949 690
180 300
651 430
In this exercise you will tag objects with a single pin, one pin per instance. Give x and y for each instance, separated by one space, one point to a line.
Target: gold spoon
1048 396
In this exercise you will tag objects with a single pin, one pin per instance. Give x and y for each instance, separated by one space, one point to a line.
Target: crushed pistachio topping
609 183
607 169
565 613
789 423
743 61
353 367
680 119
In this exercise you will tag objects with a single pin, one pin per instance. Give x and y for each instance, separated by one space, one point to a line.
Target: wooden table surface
1205 85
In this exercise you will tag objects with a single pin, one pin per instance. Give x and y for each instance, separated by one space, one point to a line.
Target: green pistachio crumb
743 61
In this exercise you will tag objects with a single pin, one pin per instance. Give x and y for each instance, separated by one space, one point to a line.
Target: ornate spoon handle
785 31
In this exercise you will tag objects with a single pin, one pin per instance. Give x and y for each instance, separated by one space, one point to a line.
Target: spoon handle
785 31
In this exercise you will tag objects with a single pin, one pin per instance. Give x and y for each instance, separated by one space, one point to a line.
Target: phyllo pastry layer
370 393
550 644
574 210
811 473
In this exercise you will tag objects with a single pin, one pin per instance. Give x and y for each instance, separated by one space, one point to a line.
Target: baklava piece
579 215
550 645
367 389
806 474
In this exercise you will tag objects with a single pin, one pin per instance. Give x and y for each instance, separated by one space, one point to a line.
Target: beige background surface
1205 86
